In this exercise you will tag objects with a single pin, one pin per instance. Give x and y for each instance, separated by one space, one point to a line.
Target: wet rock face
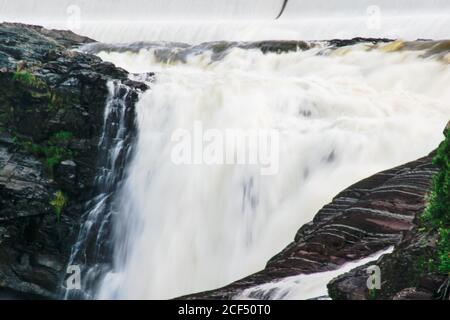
31 43
181 51
406 274
52 102
32 242
348 42
367 217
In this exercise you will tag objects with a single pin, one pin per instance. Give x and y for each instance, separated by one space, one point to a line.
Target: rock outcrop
52 103
405 274
367 217
415 269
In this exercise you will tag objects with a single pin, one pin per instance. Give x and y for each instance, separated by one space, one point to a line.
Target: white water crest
342 116
195 21
304 286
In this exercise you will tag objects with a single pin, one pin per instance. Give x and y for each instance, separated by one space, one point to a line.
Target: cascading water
93 247
341 114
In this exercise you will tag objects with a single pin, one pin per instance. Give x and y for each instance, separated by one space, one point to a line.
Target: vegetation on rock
28 79
58 203
437 214
52 151
444 250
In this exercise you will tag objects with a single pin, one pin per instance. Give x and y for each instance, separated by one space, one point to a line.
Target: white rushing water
341 117
304 286
195 21
114 146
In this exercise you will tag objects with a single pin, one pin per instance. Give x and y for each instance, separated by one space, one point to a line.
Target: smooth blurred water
342 116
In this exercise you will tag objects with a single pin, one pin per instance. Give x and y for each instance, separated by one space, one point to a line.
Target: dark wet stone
61 91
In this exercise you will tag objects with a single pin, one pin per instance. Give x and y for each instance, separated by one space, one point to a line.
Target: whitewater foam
341 116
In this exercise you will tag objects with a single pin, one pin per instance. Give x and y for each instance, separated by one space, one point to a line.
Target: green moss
437 213
444 250
52 151
29 146
61 137
28 79
372 294
58 203
423 264
54 155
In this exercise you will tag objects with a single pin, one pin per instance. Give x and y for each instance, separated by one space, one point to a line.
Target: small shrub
437 214
54 155
52 161
58 203
444 250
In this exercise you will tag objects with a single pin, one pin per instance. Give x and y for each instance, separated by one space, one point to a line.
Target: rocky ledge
52 103
405 274
418 268
369 216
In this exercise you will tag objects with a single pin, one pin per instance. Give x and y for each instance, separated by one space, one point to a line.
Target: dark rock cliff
52 103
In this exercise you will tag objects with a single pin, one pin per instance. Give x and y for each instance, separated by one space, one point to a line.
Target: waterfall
92 250
341 116
157 228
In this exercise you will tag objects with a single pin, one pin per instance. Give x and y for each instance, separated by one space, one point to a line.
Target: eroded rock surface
406 274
